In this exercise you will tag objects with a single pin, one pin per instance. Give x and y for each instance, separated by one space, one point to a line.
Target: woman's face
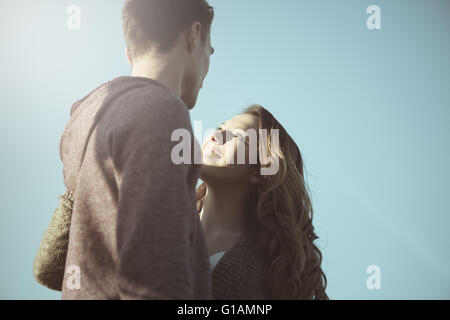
220 150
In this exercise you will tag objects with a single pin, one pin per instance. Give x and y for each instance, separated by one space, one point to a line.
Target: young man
135 232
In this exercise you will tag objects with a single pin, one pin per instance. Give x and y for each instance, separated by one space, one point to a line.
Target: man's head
175 28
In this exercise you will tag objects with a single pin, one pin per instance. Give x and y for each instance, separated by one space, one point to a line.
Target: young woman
258 228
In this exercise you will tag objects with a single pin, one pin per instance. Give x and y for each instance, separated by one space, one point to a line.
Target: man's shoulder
148 103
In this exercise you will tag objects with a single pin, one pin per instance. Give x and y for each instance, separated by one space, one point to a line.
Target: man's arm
155 206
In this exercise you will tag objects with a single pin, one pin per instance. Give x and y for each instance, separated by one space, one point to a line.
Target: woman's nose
216 137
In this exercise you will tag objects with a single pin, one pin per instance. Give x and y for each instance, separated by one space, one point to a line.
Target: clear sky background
369 110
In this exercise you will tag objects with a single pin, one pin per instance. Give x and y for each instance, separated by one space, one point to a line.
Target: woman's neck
224 210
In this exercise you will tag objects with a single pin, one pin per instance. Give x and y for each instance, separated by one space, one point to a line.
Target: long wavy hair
280 221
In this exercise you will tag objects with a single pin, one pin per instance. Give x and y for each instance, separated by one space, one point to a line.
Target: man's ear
127 54
194 36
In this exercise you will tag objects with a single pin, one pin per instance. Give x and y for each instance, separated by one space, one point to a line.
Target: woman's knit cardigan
238 275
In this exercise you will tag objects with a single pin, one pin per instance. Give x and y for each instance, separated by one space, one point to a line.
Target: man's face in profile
196 72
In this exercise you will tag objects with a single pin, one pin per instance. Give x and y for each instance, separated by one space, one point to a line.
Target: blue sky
369 110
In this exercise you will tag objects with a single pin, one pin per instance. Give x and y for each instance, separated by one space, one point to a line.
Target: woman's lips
211 152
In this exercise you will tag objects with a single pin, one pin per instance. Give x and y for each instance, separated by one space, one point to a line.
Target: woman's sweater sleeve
50 260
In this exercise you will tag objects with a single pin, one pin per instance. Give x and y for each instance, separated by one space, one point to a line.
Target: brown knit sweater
134 229
237 276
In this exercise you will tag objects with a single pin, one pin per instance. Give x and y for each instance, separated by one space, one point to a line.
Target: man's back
135 232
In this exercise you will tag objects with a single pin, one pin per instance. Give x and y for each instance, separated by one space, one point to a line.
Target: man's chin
190 101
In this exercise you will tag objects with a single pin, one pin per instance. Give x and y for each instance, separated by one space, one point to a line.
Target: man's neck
163 68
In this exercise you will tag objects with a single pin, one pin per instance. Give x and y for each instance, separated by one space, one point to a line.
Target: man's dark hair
158 23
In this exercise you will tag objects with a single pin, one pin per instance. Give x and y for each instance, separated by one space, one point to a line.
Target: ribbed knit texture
239 274
48 266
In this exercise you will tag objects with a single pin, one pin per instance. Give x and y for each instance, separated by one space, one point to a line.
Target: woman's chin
213 161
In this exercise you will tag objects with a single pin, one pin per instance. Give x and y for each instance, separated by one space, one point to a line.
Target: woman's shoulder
239 275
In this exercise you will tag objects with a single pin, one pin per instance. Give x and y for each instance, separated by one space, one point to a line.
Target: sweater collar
239 273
